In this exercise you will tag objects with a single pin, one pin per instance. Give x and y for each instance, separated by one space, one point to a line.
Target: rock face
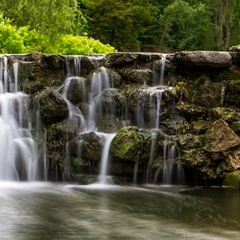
183 106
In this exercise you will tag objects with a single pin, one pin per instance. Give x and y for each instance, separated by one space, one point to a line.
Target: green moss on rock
232 179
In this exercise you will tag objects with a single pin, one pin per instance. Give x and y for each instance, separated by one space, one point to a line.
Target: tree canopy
127 25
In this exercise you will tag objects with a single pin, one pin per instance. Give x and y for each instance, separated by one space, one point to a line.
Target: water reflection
48 211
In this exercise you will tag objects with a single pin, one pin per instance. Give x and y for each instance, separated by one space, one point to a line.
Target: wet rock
140 76
79 165
76 90
119 60
63 131
109 124
52 107
88 146
130 145
89 63
111 101
41 71
220 138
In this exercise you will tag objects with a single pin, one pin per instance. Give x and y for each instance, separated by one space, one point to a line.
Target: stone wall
199 94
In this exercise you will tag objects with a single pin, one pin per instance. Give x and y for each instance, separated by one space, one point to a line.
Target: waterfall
105 159
163 60
75 112
15 71
169 158
77 65
18 149
99 82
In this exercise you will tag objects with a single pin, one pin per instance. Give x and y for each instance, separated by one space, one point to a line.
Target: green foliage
186 27
128 25
232 179
72 45
25 40
123 24
10 39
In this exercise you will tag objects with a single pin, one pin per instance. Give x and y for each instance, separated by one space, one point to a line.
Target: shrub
79 45
10 39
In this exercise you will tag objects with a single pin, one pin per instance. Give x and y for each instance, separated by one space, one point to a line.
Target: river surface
42 211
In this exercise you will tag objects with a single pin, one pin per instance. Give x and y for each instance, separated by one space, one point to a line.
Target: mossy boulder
52 107
130 144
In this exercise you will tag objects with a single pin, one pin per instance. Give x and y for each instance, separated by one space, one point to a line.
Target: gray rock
204 59
52 107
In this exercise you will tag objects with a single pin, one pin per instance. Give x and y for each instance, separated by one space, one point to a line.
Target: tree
50 18
123 24
226 21
186 27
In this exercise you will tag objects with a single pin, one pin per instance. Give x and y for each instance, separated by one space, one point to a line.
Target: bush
79 45
25 40
10 39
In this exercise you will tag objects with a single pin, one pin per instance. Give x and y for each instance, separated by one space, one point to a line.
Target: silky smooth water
40 211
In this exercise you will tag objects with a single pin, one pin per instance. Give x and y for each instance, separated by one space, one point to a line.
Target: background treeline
71 26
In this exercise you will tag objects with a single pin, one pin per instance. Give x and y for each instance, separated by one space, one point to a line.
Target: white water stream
18 149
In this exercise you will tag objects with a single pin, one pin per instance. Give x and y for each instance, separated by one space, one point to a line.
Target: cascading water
89 122
163 60
18 150
97 105
100 82
105 159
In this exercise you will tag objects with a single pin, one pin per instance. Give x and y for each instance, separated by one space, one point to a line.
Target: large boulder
220 137
52 107
204 59
76 90
130 144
